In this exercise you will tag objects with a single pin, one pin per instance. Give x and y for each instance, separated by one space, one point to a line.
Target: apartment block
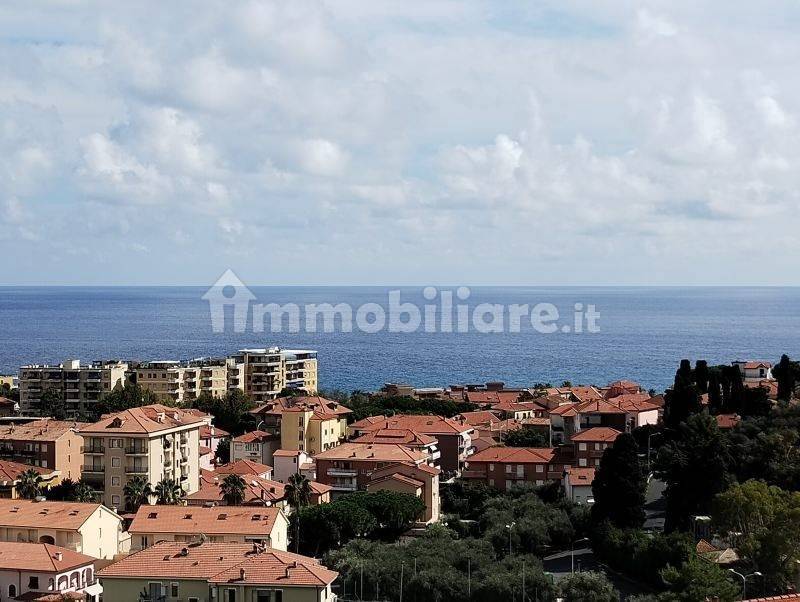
349 466
183 382
264 373
51 444
81 385
504 467
155 441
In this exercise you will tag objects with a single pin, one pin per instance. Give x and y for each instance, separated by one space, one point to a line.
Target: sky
400 142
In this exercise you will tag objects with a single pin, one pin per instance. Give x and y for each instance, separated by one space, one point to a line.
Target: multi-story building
39 571
503 467
255 446
406 437
232 524
90 529
420 480
51 444
591 443
264 373
80 385
182 382
217 572
310 424
155 441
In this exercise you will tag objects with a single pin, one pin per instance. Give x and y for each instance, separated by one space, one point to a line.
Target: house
32 571
406 437
623 413
51 444
244 468
348 467
519 410
90 529
622 387
287 462
258 492
420 480
217 572
210 437
155 442
504 467
578 484
232 524
9 477
754 370
454 438
256 446
591 443
304 423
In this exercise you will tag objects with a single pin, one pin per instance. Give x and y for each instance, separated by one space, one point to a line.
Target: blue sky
396 142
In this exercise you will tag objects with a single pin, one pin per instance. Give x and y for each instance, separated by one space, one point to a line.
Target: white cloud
322 157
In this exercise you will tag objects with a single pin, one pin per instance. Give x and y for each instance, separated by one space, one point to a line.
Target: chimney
59 556
242 574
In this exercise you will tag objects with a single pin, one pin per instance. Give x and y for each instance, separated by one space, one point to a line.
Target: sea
642 332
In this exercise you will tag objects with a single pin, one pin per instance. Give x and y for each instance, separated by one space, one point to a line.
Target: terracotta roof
368 421
205 432
580 476
221 563
535 421
585 393
755 365
634 402
430 425
242 520
491 397
400 436
10 471
514 455
521 406
401 478
39 557
621 387
378 453
62 515
567 409
599 406
704 547
478 418
40 430
254 436
286 453
782 598
204 451
144 420
243 467
597 433
728 421
325 408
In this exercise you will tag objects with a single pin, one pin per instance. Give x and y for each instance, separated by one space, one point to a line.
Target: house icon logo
229 290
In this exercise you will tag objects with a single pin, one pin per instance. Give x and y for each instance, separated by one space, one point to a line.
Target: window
115 462
12 591
230 595
44 463
582 446
115 499
491 467
597 446
115 481
33 583
539 468
173 589
581 461
193 599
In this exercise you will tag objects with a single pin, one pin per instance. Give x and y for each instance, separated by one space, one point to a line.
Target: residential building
406 437
578 484
591 443
50 444
232 524
504 467
519 410
156 442
420 480
286 462
454 438
623 413
255 446
81 385
622 387
183 382
31 571
305 423
9 477
754 371
8 381
244 468
348 467
264 373
90 529
210 437
216 572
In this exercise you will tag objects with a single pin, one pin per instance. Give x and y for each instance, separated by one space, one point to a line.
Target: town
236 479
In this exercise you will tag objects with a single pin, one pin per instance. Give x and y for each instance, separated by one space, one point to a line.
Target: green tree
169 491
223 453
786 372
527 436
231 412
131 395
63 492
29 484
701 376
683 399
52 404
588 587
298 495
619 485
136 492
233 487
694 465
698 579
84 493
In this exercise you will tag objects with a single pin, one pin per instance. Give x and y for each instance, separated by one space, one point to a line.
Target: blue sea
644 332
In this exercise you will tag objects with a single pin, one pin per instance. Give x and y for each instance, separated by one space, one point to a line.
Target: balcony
342 472
344 486
93 469
136 450
94 449
136 470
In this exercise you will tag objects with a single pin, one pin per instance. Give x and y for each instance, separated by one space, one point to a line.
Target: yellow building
264 373
177 382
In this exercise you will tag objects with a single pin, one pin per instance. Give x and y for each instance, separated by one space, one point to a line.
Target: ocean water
644 332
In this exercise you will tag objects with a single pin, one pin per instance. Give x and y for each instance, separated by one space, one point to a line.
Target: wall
123 590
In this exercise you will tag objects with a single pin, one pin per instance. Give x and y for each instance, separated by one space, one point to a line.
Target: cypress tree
619 485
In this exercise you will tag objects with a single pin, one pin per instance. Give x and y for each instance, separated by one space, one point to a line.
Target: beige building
310 424
420 480
155 441
264 373
182 382
90 529
217 572
51 444
81 385
231 524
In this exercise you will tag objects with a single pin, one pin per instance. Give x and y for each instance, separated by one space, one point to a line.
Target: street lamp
744 580
572 552
509 527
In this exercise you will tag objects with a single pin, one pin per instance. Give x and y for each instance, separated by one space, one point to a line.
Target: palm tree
233 489
136 492
83 492
298 494
29 484
169 491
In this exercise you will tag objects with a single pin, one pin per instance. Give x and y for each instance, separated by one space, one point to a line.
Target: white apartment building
80 384
182 382
155 441
264 373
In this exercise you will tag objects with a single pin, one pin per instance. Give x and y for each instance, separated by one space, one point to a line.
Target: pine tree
619 485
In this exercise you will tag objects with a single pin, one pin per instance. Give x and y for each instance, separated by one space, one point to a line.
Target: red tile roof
585 393
401 436
39 430
514 455
599 406
597 433
143 420
10 471
491 397
429 425
243 467
254 436
323 408
206 432
377 453
221 563
241 520
580 476
478 418
40 557
62 515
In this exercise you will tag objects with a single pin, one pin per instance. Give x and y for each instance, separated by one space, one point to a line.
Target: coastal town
238 479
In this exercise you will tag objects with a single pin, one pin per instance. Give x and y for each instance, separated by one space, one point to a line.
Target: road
655 505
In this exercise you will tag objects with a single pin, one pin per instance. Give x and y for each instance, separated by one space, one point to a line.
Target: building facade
264 373
50 444
183 382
